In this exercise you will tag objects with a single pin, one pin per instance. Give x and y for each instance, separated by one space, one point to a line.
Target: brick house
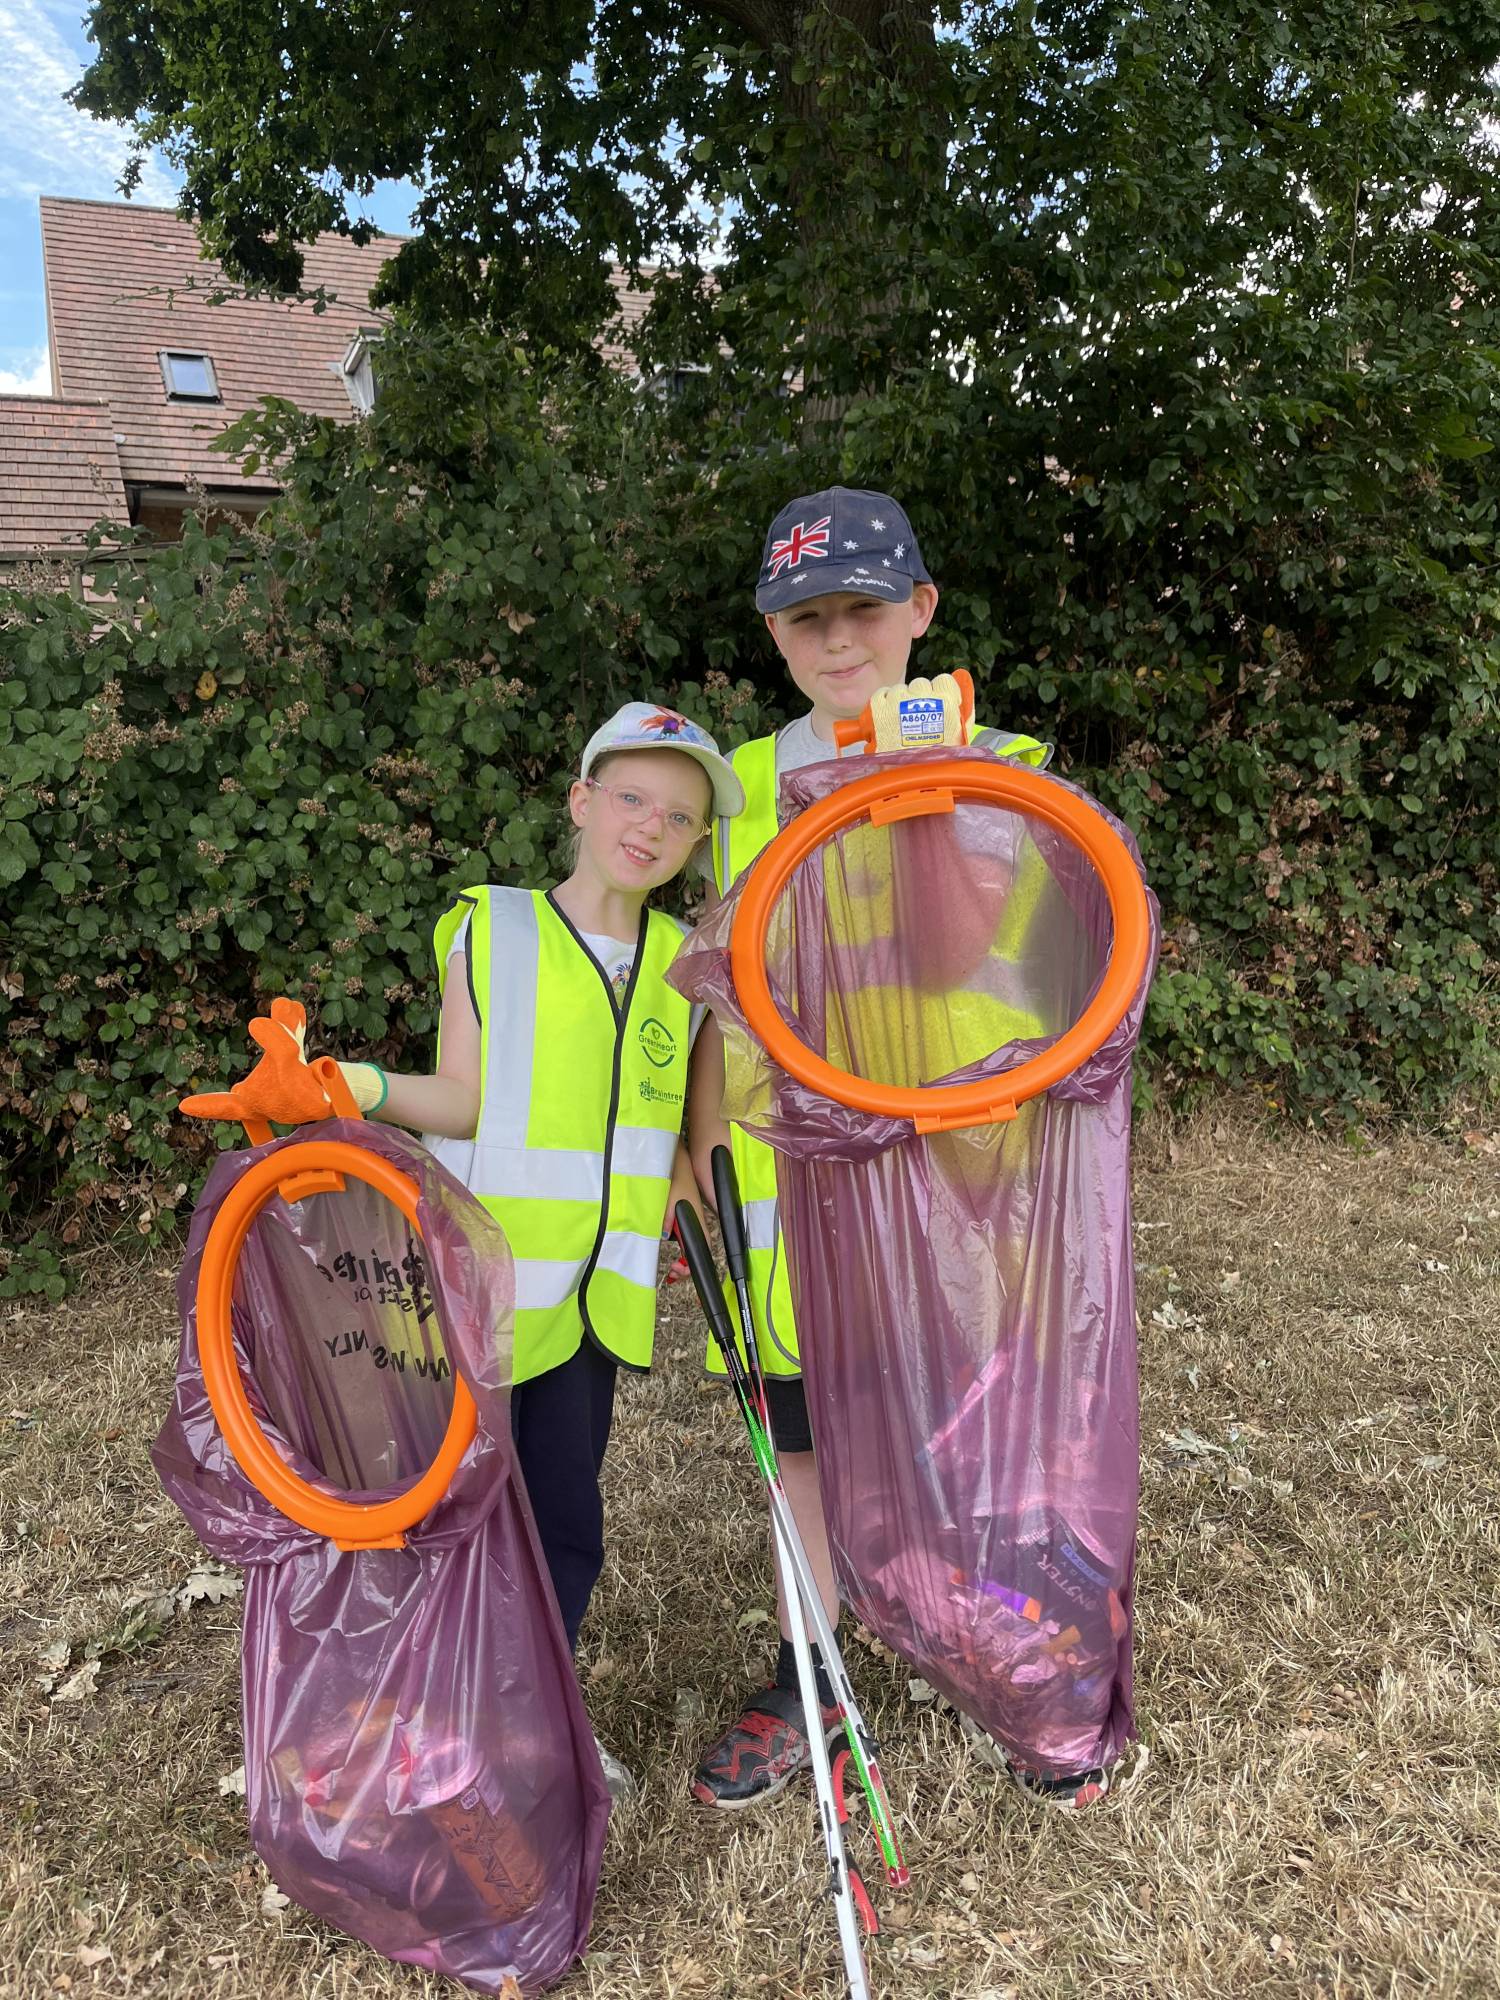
146 372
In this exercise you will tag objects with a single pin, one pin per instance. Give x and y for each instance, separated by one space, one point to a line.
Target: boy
845 594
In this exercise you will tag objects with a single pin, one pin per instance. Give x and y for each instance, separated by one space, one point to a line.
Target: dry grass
1320 1811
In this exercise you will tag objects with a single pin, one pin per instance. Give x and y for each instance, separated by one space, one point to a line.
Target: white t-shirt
616 955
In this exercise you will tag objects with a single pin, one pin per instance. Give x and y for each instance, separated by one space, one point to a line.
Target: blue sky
46 147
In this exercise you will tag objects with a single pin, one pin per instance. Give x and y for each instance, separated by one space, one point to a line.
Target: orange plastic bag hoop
931 787
313 1166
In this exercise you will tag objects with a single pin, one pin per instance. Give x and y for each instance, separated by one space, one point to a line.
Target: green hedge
269 766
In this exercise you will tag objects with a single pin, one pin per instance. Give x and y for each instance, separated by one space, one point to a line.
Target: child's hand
919 715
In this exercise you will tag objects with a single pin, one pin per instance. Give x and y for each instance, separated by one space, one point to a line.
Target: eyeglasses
635 809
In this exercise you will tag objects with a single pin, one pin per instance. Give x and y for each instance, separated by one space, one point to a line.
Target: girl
558 1099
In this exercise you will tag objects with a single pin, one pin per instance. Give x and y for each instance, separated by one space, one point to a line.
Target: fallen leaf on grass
1239 1478
754 1616
918 1690
208 1586
1138 1766
90 1955
1172 1319
232 1784
1187 1443
80 1686
53 1660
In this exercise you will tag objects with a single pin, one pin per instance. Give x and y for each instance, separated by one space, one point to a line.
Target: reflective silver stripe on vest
516 946
634 1258
760 1224
999 742
543 1282
543 1173
723 854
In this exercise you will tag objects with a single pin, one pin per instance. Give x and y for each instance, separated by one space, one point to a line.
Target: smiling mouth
638 855
843 673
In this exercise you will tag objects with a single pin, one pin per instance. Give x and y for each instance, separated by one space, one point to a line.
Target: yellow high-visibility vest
738 842
580 1114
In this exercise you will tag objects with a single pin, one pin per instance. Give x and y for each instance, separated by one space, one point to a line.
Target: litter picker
845 1886
861 1745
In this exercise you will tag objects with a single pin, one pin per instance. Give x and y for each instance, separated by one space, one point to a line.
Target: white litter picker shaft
798 1572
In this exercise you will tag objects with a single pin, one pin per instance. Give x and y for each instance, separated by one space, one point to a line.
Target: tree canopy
853 187
1173 325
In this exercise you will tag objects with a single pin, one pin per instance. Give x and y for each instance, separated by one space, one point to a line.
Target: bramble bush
1175 328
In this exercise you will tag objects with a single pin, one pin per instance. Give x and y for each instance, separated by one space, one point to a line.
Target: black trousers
786 1402
560 1424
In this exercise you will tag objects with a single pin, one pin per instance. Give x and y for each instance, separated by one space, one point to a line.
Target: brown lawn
1319 1693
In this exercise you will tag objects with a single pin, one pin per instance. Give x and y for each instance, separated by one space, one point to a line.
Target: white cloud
35 380
46 147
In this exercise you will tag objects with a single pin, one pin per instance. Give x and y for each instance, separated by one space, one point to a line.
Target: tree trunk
900 37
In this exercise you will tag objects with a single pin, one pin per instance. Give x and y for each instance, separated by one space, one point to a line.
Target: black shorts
786 1402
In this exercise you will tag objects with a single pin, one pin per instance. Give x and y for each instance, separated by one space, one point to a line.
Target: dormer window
670 384
189 377
357 369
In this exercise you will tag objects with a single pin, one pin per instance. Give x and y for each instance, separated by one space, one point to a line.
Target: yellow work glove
918 715
367 1085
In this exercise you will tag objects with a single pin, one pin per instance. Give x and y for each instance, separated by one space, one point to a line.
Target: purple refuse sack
964 1300
419 1768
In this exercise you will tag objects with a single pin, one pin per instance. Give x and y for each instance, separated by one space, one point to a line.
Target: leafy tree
1174 325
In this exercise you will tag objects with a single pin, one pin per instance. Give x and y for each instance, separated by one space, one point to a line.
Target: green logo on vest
654 1094
657 1044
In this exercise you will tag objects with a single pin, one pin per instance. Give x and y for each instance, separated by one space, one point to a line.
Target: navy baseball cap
840 539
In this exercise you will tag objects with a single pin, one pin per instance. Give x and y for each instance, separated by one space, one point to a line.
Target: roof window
189 377
357 369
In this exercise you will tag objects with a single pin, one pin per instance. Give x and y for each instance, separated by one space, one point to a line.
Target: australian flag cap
840 539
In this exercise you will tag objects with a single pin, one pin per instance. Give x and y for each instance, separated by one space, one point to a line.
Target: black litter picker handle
731 1217
705 1276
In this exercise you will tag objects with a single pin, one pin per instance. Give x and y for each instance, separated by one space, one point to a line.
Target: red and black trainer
765 1748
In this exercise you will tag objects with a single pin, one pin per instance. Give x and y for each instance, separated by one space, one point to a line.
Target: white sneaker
622 1784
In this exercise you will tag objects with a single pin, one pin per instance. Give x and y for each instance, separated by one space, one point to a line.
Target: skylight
189 377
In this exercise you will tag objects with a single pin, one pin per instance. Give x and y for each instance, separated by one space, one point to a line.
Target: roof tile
59 472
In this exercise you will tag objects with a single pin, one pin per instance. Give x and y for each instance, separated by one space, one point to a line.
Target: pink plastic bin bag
964 1300
419 1769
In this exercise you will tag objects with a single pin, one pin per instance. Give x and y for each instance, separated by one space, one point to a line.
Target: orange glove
281 1086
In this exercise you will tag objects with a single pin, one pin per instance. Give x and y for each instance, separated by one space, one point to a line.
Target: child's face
839 649
640 813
